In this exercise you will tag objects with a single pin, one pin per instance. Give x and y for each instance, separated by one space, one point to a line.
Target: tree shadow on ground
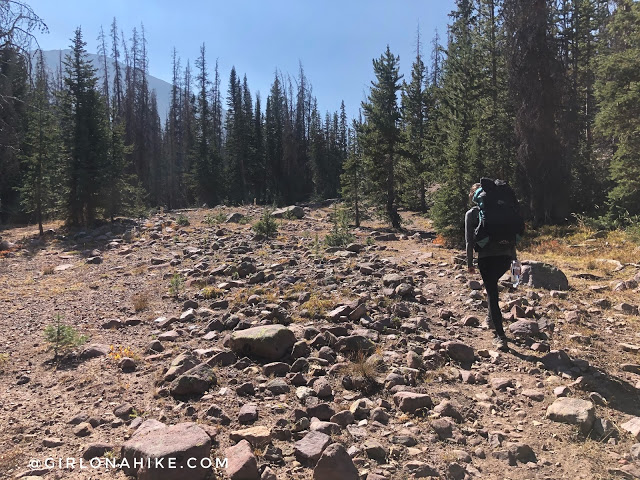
76 240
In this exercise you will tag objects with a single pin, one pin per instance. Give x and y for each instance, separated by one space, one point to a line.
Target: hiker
492 227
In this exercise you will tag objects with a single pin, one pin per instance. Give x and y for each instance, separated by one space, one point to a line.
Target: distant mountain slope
162 88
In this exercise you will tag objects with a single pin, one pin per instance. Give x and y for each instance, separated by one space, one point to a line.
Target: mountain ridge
162 88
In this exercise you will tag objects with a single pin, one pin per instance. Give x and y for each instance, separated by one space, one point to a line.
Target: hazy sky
334 40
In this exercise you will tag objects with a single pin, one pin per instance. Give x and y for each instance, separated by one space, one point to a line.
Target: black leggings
491 269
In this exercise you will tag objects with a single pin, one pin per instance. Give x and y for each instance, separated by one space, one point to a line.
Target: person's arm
470 222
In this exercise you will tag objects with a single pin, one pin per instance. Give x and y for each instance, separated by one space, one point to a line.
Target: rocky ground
295 361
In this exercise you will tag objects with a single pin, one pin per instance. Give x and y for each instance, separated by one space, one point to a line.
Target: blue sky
334 40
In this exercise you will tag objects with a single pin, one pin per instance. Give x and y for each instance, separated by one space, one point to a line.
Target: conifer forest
542 93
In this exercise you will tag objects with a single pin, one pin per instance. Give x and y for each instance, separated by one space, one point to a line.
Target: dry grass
10 460
49 270
211 292
140 301
317 306
359 367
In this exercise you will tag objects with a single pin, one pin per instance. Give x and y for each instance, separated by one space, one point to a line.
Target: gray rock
243 464
355 344
291 211
195 381
309 449
447 408
525 328
82 429
443 427
234 217
248 413
343 418
271 342
51 442
410 402
180 442
632 427
573 411
96 450
534 394
335 463
374 450
557 360
256 436
543 275
459 351
94 351
421 470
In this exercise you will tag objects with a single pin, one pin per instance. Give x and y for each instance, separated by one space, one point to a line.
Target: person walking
492 226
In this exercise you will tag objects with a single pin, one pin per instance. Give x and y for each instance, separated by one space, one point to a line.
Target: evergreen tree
460 79
85 133
274 131
40 151
380 135
618 120
203 179
352 178
234 147
533 69
414 119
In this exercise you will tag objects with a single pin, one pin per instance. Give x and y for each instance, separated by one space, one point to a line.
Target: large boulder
160 452
543 275
291 211
271 342
573 411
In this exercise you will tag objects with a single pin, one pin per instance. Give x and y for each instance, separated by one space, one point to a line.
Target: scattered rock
573 411
335 463
243 464
543 275
309 449
180 442
271 342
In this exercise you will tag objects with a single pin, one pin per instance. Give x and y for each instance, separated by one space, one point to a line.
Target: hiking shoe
501 344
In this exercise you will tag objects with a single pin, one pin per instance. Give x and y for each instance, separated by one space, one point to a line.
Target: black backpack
500 219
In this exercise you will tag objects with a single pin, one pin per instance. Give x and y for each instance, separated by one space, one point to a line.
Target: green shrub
266 226
215 218
62 338
182 220
340 234
176 285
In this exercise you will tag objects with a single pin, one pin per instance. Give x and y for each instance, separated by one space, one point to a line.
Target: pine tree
40 151
618 120
352 178
85 133
274 131
380 135
460 79
234 148
203 179
533 69
414 119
